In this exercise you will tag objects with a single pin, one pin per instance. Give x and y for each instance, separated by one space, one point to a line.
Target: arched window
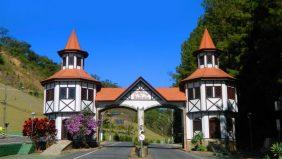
214 125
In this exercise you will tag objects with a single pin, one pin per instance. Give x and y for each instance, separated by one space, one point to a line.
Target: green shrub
275 152
197 141
201 148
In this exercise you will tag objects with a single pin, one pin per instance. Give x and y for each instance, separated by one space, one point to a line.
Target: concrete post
140 115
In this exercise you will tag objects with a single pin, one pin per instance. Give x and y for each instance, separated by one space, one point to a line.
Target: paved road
159 151
120 150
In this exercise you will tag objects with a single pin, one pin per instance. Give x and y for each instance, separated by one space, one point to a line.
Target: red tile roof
208 73
71 74
109 94
170 94
72 42
206 42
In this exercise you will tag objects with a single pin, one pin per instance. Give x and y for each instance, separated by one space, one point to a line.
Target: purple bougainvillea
81 125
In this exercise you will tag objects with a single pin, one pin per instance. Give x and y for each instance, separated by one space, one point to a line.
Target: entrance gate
141 96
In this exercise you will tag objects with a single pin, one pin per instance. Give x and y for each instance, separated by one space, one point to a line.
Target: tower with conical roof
211 97
71 89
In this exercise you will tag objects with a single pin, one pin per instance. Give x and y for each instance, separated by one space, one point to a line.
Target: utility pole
5 124
172 120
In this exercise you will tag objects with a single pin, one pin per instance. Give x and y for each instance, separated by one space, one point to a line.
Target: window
217 61
71 59
197 125
202 61
50 94
231 93
217 92
87 94
90 94
209 92
63 93
78 61
197 93
209 59
214 126
190 93
83 94
71 93
64 61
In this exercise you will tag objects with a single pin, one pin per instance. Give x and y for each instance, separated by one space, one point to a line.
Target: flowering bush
81 125
81 128
40 128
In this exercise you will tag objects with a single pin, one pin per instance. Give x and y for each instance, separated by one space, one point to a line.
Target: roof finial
72 42
206 42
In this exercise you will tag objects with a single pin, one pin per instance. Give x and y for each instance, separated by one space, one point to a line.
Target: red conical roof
72 42
206 42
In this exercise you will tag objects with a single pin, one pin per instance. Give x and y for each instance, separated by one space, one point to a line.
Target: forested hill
21 67
250 35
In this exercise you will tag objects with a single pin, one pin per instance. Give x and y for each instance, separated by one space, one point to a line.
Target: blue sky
125 39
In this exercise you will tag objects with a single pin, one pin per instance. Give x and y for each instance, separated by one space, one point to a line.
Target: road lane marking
93 151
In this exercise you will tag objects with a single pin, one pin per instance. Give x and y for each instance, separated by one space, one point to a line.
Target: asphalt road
120 150
162 151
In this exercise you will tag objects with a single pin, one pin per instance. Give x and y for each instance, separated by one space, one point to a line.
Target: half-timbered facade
207 97
71 89
211 96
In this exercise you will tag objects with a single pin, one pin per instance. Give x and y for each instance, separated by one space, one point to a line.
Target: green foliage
249 33
197 141
2 131
106 83
1 60
275 151
159 120
18 62
228 23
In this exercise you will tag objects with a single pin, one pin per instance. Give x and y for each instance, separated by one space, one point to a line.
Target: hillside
129 118
19 107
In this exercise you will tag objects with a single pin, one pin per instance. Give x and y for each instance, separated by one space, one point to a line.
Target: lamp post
33 116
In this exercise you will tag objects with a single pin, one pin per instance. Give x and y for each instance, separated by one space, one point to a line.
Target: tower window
190 93
217 92
78 61
90 94
63 93
231 93
209 92
194 93
71 60
87 94
83 94
197 92
50 94
209 59
201 60
64 61
71 93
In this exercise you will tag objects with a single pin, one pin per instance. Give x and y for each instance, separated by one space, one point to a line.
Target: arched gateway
207 97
